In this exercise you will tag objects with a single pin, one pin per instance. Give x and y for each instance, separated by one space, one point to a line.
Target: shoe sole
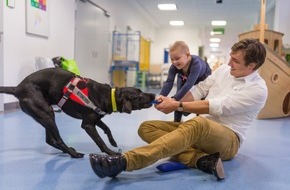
219 170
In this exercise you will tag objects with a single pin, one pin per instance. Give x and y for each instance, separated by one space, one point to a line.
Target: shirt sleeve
195 72
202 88
168 84
249 98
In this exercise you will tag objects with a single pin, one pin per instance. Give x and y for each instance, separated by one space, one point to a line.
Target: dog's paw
113 142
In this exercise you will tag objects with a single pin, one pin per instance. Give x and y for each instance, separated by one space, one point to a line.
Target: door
92 42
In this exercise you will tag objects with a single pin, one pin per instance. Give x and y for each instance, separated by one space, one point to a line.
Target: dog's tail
8 90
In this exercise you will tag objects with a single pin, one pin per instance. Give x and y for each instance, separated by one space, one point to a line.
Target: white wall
20 48
1 15
125 13
282 16
166 37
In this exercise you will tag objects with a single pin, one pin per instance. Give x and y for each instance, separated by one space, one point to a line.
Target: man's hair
255 51
179 45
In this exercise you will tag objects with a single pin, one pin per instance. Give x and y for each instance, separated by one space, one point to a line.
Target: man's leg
164 146
219 139
149 131
203 134
197 132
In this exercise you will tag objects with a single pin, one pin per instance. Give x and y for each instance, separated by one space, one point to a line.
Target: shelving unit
125 58
130 59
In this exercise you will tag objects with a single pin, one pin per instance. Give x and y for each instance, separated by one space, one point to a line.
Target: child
190 70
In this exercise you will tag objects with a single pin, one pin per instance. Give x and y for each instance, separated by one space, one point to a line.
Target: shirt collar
249 77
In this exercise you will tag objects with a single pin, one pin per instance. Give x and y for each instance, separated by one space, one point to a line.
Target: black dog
38 91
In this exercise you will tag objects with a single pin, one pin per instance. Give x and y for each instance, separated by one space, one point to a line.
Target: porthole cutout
275 77
286 104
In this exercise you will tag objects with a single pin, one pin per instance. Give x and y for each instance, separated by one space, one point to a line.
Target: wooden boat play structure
275 71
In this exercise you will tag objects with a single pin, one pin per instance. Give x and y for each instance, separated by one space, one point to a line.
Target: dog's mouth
151 100
145 101
147 105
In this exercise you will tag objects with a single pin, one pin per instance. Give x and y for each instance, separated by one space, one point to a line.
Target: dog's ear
127 107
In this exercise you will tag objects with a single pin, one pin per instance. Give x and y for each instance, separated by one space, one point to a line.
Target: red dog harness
77 91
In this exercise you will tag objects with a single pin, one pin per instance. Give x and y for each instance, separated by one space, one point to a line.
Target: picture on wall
37 17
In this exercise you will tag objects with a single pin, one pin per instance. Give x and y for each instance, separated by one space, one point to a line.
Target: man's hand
166 104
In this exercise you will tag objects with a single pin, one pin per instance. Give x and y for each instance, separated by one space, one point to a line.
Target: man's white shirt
233 102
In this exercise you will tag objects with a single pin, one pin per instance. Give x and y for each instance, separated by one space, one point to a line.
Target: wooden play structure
275 71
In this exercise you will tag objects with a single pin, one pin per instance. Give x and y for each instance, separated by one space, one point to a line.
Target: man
234 94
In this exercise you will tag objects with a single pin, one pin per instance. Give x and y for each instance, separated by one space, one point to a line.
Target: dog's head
130 98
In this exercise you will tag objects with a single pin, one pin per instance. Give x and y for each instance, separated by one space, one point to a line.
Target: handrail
104 10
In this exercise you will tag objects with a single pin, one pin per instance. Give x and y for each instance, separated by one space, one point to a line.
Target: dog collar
113 99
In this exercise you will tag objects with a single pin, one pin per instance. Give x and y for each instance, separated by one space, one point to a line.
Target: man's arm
168 105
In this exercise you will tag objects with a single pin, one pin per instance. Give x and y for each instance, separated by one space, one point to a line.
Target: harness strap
73 89
87 101
70 87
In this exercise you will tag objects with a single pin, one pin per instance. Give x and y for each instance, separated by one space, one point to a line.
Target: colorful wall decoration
37 17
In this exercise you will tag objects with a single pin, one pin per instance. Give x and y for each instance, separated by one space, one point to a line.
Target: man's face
178 58
238 65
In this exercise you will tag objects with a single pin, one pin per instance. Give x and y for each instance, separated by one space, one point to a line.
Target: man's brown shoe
212 164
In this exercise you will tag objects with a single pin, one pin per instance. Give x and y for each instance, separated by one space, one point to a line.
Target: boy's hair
255 51
181 45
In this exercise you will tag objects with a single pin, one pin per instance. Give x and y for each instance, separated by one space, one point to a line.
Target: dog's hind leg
52 142
39 110
90 127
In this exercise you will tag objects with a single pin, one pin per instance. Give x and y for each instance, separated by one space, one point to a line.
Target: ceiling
241 16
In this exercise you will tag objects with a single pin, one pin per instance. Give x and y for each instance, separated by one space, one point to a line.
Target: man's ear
252 66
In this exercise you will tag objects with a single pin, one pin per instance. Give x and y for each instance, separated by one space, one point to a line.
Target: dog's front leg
107 131
90 128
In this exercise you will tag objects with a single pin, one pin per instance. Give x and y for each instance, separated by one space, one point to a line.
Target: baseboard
11 106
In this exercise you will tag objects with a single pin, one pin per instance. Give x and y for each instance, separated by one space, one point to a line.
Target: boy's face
179 58
238 65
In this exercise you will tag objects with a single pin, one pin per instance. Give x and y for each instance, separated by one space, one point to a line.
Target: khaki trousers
185 142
